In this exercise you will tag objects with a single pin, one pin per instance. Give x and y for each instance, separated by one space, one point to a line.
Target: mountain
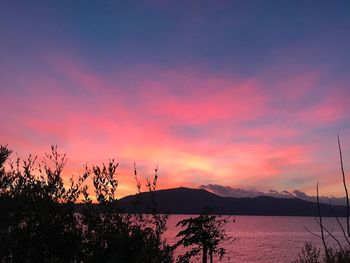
193 201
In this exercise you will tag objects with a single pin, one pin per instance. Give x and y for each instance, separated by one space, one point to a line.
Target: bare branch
339 223
312 233
345 188
330 235
321 225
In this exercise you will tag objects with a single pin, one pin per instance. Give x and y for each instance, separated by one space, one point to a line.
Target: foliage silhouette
203 234
41 221
309 254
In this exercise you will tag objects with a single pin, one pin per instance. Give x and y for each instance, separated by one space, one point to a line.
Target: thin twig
345 187
331 235
312 233
321 225
339 223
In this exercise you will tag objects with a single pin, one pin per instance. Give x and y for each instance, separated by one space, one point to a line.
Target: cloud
228 191
199 127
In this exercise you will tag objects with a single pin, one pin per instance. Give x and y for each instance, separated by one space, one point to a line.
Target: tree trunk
205 254
211 255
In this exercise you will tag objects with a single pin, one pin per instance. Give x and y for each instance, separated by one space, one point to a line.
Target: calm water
264 239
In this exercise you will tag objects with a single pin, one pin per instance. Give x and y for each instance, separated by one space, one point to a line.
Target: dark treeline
44 220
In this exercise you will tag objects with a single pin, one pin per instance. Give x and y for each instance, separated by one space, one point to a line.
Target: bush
41 221
309 254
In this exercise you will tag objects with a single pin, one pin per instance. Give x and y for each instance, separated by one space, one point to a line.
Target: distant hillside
193 201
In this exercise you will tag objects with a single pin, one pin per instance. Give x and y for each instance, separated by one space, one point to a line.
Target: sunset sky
247 94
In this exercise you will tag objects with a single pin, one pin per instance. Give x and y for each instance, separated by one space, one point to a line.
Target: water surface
265 239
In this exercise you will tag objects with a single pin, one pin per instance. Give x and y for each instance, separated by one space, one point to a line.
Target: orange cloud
198 128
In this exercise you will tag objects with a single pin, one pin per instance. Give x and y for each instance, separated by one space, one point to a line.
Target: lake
265 239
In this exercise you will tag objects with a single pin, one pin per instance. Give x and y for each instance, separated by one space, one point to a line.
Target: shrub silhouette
41 221
309 254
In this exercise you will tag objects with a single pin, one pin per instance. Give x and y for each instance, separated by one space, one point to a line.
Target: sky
242 94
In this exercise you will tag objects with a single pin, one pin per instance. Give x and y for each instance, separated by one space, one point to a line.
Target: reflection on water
265 239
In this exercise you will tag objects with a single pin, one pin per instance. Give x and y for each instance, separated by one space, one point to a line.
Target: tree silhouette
203 234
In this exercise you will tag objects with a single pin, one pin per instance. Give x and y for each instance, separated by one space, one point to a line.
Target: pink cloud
330 110
239 133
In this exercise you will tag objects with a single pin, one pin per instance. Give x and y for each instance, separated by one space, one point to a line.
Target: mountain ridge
183 200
